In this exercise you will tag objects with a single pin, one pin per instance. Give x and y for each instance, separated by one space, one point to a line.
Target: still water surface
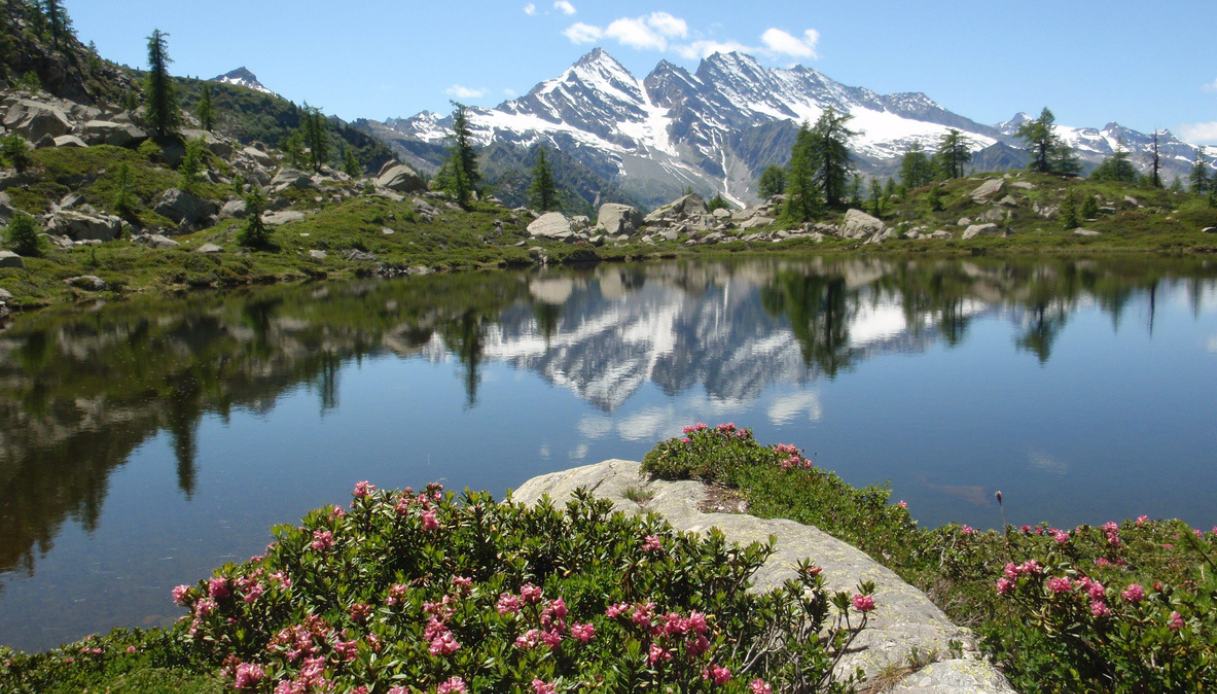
143 443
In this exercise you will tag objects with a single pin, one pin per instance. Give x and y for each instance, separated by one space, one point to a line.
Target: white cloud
705 49
636 33
594 427
1209 86
460 91
782 43
1203 133
509 93
785 408
583 33
668 25
530 9
1212 344
564 7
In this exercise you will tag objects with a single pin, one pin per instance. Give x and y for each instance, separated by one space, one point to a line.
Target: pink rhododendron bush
426 592
1116 607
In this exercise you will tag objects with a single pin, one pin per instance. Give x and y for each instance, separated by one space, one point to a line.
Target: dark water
143 443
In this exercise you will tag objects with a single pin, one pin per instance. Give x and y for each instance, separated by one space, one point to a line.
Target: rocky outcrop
10 259
988 190
551 225
857 224
274 219
291 178
400 178
905 626
102 132
34 120
184 207
615 218
976 230
686 206
79 226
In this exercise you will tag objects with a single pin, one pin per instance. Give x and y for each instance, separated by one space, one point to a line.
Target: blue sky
1143 64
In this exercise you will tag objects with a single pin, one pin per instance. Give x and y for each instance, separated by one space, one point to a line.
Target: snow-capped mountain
716 128
242 77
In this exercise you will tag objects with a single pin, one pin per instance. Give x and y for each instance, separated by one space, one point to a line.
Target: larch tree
160 95
542 193
915 168
1049 153
830 155
772 182
803 202
206 112
953 154
462 169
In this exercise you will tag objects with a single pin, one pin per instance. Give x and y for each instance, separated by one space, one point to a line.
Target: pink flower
218 588
1060 536
528 640
248 675
429 521
615 611
397 593
1134 593
717 673
322 540
132 650
658 654
530 594
1142 519
582 632
697 622
508 604
338 512
759 686
363 488
452 685
1004 586
462 582
864 603
1098 608
540 686
652 543
968 530
444 644
360 612
1175 622
253 592
1059 585
347 650
181 594
686 440
700 645
402 690
1096 590
902 504
204 607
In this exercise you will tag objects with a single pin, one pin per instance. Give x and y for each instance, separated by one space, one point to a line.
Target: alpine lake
145 442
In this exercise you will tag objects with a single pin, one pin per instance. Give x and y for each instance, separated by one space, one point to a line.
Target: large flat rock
904 626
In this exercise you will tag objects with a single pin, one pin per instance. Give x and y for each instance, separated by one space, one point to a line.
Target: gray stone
616 219
993 214
982 230
155 241
5 295
1085 232
1023 185
316 254
400 178
1209 230
10 259
551 225
905 625
104 132
959 676
35 120
941 234
685 206
209 249
580 222
721 213
291 178
858 224
964 222
69 141
1132 201
90 283
258 156
183 206
78 226
274 219
232 209
989 189
757 221
1008 201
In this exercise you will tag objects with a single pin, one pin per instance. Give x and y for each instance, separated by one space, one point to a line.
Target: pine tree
193 162
1068 214
55 20
254 234
1199 177
15 152
160 105
350 164
830 155
915 168
1049 154
23 235
206 111
130 100
855 191
803 202
953 154
463 173
124 200
542 194
316 139
889 188
1155 175
1117 167
293 149
773 182
1090 207
876 198
934 199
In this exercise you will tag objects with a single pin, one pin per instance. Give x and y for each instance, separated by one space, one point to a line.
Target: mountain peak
242 77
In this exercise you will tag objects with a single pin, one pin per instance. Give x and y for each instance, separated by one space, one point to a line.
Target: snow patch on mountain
242 77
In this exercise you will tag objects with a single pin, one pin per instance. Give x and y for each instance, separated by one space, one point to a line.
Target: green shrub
150 150
193 163
22 235
254 234
15 151
422 589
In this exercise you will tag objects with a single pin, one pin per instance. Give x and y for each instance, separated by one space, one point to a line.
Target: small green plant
254 234
150 150
1068 214
22 235
934 198
639 494
194 162
124 199
718 202
30 82
15 151
1090 207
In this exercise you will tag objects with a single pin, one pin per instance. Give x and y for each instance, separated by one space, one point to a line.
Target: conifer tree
1155 171
293 148
350 164
915 168
855 191
23 235
254 234
206 111
191 168
1068 214
830 155
160 105
772 182
1117 167
889 188
1049 154
876 198
542 194
934 199
124 201
462 175
803 202
1090 207
55 20
15 152
953 154
1199 177
316 139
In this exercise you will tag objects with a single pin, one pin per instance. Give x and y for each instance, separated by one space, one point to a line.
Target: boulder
69 141
685 206
757 221
964 222
5 295
1128 199
291 178
259 157
721 213
274 219
551 225
982 230
1008 201
79 226
1209 230
10 259
989 189
155 241
232 209
90 283
1023 185
857 224
104 132
615 219
316 254
183 206
1086 232
209 249
35 120
400 178
941 234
